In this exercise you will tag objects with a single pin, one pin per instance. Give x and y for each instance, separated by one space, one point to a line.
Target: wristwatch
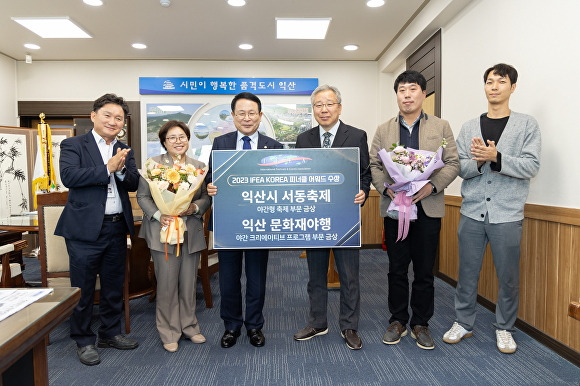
434 188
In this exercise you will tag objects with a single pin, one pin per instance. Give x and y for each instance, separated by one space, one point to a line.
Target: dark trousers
105 257
256 264
420 247
347 265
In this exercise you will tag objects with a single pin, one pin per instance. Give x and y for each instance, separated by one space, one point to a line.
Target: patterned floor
324 360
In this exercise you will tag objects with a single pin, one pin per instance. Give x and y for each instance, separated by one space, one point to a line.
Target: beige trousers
176 281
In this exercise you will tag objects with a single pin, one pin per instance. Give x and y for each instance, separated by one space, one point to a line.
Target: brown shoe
423 337
352 339
394 333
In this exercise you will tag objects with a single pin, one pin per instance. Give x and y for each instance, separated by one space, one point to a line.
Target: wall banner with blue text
286 198
227 86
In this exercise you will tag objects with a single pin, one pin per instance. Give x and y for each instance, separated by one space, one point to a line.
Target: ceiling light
246 46
302 28
52 27
139 46
32 46
165 3
237 3
351 47
94 3
375 3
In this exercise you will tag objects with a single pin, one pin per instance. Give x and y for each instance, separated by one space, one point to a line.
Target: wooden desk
140 271
19 223
24 336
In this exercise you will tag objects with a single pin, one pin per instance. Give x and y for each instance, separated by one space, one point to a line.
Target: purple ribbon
404 202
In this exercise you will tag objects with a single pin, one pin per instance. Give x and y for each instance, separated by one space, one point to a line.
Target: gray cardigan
501 195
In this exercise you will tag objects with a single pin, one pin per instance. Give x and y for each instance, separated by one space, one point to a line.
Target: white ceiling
205 29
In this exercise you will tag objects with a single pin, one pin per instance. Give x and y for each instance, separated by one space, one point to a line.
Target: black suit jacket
228 142
82 171
346 136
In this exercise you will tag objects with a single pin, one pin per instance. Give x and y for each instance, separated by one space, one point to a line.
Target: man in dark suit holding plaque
99 172
331 132
247 114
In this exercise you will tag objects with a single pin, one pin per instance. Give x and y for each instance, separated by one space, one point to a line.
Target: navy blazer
228 142
346 136
82 171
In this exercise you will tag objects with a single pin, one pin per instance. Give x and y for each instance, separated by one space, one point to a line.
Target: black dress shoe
119 342
257 339
230 338
352 339
88 355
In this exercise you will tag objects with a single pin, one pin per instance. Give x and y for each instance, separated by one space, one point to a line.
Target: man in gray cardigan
496 178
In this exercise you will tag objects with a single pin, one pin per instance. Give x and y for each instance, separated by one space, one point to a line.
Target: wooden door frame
427 60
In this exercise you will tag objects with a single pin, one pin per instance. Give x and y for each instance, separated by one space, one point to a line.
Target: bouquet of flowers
172 188
410 169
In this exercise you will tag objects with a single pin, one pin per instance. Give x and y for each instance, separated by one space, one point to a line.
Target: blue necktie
326 142
247 145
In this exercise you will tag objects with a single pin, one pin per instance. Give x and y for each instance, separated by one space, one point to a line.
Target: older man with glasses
331 132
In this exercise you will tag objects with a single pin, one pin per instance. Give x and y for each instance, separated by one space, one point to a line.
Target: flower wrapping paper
170 201
408 181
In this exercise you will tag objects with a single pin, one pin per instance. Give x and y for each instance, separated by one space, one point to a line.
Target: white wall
357 81
537 37
540 40
8 101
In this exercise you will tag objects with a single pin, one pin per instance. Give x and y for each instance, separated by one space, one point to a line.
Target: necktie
326 142
247 145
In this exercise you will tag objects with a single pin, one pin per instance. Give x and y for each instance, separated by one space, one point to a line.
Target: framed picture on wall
15 170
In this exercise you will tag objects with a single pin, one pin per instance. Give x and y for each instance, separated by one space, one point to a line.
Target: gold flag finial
41 116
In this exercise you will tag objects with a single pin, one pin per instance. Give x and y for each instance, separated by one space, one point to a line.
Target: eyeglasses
243 114
181 138
329 106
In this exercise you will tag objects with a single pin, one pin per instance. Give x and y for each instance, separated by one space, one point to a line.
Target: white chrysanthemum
163 185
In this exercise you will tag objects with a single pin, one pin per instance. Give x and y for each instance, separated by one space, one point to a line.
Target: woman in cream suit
176 276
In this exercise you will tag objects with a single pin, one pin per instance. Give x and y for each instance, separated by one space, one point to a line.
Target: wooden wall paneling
563 297
531 268
549 268
573 325
448 245
553 261
371 221
541 274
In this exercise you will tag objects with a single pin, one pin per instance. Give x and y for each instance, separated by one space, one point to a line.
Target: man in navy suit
99 172
247 114
331 132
